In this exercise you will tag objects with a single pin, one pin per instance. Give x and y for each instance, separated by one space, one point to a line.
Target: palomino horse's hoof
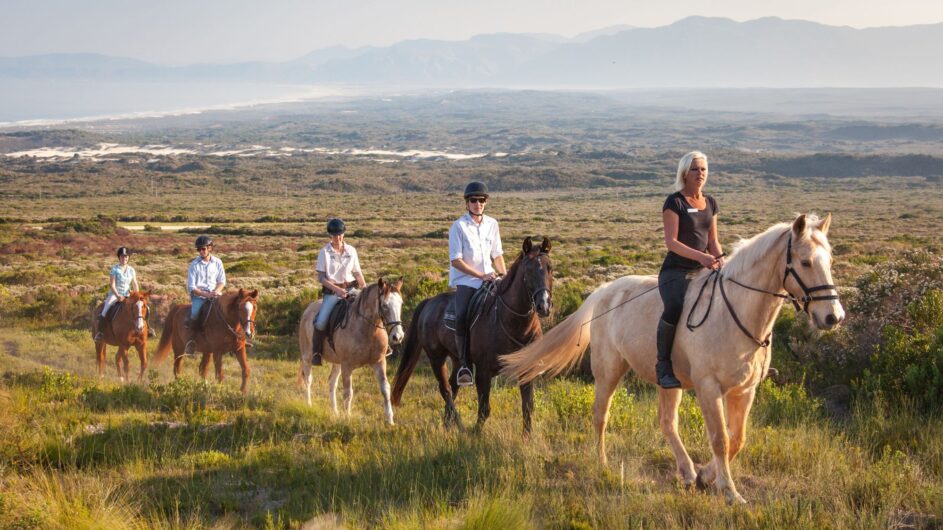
734 498
699 482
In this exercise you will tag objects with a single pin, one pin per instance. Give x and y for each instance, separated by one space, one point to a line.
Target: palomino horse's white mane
747 253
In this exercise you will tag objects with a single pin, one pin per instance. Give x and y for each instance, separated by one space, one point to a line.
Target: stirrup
98 337
464 377
190 347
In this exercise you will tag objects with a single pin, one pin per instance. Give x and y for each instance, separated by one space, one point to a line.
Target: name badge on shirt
693 210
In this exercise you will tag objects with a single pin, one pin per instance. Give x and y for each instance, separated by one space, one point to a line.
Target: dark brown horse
230 322
508 321
128 328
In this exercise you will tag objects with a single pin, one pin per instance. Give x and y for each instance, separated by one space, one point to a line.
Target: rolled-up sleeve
497 249
221 274
355 262
191 278
455 242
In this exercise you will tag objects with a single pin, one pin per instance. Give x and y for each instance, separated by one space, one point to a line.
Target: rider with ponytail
690 222
123 278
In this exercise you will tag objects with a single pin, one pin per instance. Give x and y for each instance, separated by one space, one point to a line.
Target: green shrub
789 404
249 265
280 315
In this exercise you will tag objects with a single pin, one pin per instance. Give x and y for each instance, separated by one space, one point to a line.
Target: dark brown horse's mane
513 271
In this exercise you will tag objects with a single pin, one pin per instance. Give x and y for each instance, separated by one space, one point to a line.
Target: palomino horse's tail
411 354
559 349
167 334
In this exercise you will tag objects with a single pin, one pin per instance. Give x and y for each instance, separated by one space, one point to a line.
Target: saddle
339 315
112 311
475 307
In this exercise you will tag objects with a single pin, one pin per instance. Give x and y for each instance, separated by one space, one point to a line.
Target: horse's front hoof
701 482
732 498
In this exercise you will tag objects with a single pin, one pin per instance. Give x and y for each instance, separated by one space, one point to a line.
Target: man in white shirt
338 269
476 256
206 278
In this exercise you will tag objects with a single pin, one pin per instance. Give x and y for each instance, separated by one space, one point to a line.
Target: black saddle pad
339 314
112 311
475 306
205 309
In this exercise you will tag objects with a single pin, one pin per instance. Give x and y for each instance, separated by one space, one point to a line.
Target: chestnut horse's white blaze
249 324
139 323
721 361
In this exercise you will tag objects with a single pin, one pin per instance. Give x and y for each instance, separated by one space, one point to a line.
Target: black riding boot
464 372
97 334
191 325
317 346
663 369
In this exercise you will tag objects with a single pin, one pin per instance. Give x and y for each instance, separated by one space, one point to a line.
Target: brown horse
127 328
508 321
229 324
373 322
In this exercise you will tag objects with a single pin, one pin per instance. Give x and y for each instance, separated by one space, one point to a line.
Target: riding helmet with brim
203 241
336 227
476 189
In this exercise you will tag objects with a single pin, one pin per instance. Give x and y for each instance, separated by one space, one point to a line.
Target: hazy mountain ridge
693 52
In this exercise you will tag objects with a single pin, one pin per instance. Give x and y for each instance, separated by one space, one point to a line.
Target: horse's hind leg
332 386
447 388
100 353
607 376
218 365
527 405
668 403
243 364
346 372
712 407
380 369
204 365
483 385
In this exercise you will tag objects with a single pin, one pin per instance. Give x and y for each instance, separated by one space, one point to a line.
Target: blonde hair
684 165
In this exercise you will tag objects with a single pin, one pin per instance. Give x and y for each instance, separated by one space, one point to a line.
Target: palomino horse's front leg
711 400
668 403
348 388
738 409
332 386
380 369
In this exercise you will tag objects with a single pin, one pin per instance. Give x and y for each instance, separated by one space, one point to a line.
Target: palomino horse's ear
825 223
398 284
799 226
545 246
528 245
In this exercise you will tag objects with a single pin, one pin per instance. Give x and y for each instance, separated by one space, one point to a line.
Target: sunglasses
480 200
203 248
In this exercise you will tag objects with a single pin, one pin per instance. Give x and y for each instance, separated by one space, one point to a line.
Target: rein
222 316
529 313
383 323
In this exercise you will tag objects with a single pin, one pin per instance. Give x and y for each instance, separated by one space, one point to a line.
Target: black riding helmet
203 241
123 251
476 189
336 227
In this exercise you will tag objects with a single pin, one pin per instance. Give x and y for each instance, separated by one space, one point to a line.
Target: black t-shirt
694 227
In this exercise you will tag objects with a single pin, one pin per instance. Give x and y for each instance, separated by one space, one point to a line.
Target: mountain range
695 52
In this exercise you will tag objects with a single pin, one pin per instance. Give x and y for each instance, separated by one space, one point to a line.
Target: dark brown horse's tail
167 334
411 354
559 349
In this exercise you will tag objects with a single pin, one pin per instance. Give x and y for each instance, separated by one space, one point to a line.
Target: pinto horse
373 323
229 324
508 321
127 328
722 354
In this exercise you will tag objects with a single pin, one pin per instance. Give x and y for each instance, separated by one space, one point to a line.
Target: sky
175 32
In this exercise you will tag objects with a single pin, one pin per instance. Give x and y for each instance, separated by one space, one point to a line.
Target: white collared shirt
204 275
339 267
476 244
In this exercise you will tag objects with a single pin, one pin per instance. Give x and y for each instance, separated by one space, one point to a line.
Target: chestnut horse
723 361
508 320
373 323
127 328
229 324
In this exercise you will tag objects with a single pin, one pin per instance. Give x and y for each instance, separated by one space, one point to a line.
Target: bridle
384 324
244 335
716 277
530 310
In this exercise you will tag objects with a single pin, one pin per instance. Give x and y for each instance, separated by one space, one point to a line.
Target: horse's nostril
831 319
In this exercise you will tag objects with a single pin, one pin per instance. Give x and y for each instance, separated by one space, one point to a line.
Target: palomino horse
127 328
508 320
373 322
723 361
229 324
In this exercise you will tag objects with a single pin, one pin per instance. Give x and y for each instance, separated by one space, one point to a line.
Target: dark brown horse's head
246 303
391 309
537 270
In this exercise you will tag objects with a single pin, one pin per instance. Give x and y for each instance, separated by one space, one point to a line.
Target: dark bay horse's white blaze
718 360
373 323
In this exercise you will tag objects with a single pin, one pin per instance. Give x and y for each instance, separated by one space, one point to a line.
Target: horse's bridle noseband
807 297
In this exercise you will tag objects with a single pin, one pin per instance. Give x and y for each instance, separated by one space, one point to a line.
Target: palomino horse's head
538 275
808 276
137 301
391 309
247 302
